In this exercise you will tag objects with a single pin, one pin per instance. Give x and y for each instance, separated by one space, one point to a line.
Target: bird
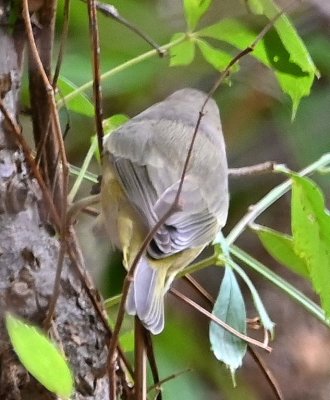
143 162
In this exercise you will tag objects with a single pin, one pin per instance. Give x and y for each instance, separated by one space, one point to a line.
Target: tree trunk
29 253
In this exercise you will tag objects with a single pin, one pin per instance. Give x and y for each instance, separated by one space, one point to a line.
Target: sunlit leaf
80 103
109 125
311 233
219 59
294 45
182 53
295 75
40 356
194 10
114 122
281 247
230 308
255 6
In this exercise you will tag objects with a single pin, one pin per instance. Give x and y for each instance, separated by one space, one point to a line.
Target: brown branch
140 362
228 328
110 11
97 89
257 358
56 289
199 288
168 378
267 373
258 169
76 258
62 154
54 114
152 361
64 36
243 53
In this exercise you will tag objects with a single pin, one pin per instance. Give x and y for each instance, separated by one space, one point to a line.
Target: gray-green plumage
147 156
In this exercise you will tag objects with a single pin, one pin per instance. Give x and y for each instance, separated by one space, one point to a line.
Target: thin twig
199 288
64 36
230 329
258 359
111 11
51 97
42 143
130 275
140 361
97 89
152 360
267 373
58 135
270 198
168 378
80 205
77 260
258 169
243 53
56 289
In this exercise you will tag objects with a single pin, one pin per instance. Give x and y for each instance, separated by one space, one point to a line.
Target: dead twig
230 329
64 36
97 88
111 11
258 169
267 373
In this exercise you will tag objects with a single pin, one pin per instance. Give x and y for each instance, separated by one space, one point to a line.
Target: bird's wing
190 225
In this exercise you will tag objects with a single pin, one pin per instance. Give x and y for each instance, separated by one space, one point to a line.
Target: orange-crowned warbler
142 166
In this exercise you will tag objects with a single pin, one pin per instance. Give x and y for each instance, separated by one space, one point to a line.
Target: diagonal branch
97 89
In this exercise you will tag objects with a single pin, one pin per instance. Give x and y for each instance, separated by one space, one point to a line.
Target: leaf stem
294 293
271 197
118 69
82 171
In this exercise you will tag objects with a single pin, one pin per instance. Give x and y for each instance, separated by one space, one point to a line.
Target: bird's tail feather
146 296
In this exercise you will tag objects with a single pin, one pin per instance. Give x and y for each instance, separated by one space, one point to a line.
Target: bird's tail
146 296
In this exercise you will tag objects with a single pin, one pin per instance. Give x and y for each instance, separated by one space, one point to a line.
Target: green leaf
267 323
291 62
114 122
79 104
294 45
184 52
311 233
222 252
281 248
194 10
287 32
40 356
219 59
282 284
109 125
230 308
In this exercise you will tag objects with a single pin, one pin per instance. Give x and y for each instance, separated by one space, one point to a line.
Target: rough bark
29 253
